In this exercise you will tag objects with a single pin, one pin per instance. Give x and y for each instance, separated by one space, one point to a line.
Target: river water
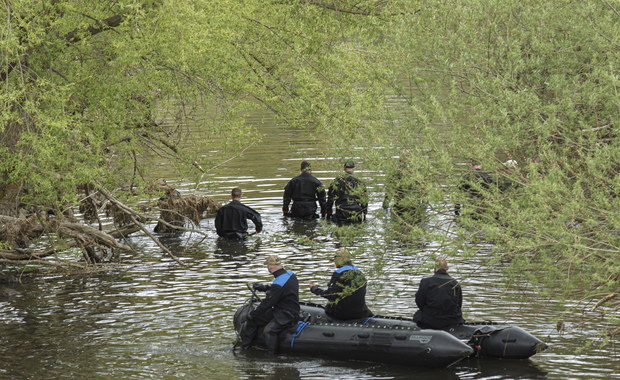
148 317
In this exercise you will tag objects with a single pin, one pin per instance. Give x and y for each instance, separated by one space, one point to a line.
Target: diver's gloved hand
313 288
260 287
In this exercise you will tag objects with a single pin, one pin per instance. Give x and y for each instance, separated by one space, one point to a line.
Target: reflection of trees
301 227
236 251
59 326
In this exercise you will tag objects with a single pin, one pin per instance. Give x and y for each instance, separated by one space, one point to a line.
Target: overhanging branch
332 6
72 37
103 25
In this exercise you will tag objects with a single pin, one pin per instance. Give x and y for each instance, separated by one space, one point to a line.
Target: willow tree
531 81
90 90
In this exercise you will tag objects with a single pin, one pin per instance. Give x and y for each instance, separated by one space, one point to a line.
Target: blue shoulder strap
283 278
346 268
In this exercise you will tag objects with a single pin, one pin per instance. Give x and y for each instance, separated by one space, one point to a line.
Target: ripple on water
157 319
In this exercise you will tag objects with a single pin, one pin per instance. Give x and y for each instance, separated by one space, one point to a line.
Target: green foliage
92 90
533 81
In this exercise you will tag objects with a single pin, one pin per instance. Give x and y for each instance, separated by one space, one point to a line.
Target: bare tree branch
42 262
103 25
334 7
134 217
67 229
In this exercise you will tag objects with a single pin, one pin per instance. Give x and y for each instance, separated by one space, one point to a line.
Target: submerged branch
134 216
79 233
42 262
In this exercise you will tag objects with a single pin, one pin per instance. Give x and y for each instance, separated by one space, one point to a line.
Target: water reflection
498 369
236 250
151 318
258 364
404 234
301 227
172 240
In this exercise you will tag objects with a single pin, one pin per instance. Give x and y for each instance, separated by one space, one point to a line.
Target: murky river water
151 318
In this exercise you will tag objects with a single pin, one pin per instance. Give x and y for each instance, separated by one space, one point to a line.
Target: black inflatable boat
406 345
485 338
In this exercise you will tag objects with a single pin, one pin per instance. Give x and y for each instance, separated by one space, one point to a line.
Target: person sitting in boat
439 299
346 291
278 311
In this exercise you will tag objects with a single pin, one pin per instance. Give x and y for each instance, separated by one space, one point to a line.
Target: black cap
349 164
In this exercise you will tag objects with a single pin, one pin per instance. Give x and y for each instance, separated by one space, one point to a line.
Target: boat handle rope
368 320
300 328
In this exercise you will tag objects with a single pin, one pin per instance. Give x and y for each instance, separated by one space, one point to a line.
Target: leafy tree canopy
90 89
531 81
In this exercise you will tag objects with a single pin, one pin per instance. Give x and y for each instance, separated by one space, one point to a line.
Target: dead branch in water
82 236
604 300
176 210
54 232
134 217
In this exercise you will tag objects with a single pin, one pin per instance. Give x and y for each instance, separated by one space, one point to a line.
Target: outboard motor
241 315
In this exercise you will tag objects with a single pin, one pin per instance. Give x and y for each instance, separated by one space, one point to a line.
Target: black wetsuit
231 220
475 183
304 190
506 184
350 197
439 301
278 311
346 293
410 197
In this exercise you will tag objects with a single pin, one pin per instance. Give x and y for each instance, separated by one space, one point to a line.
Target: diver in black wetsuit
409 195
475 183
350 197
305 191
278 311
346 290
231 220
